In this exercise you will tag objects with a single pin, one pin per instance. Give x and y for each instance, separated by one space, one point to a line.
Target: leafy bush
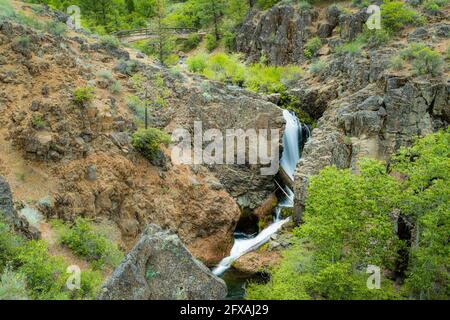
110 42
197 63
266 4
83 95
423 59
46 275
312 46
271 79
82 239
38 122
56 28
191 42
229 40
148 141
9 244
105 74
425 199
137 106
128 67
395 15
353 48
225 68
171 60
397 63
12 286
317 66
376 38
348 225
115 87
435 6
257 77
211 42
23 42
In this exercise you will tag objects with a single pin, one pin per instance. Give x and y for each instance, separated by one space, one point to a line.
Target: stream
294 137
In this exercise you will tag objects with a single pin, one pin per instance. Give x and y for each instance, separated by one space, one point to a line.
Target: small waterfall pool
293 140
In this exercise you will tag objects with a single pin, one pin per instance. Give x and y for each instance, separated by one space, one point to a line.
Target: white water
291 155
292 140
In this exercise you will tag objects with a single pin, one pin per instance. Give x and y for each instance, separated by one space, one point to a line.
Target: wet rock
160 267
9 213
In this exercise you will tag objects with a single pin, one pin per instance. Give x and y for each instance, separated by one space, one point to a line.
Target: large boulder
160 267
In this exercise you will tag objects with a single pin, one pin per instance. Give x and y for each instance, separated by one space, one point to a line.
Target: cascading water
292 142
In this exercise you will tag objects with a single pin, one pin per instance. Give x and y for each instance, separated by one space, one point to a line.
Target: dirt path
55 249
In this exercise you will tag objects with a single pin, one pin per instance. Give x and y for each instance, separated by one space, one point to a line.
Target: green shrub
197 63
56 28
171 60
304 6
435 6
38 122
12 286
45 275
225 68
312 46
23 43
137 106
426 201
128 67
110 42
317 66
191 42
229 40
105 74
83 95
347 226
9 244
211 42
376 38
257 77
395 15
148 141
271 79
423 59
266 4
84 241
397 63
115 87
353 48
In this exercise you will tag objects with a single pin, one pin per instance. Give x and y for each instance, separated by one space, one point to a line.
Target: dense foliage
28 270
148 141
350 223
84 241
256 77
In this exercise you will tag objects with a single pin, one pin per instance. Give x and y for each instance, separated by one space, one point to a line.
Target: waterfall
292 143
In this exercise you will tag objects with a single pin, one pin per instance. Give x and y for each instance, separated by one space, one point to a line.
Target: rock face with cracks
160 267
